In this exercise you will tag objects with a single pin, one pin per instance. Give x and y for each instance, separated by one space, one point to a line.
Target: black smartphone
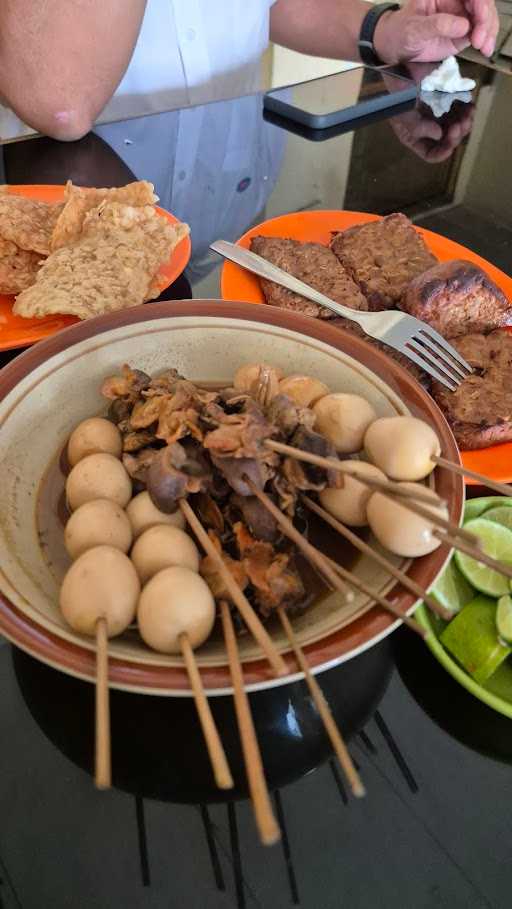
342 97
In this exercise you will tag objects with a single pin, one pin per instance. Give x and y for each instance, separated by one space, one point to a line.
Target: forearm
323 28
61 60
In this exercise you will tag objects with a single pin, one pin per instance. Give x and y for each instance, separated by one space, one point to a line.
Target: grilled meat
457 298
480 410
314 264
383 257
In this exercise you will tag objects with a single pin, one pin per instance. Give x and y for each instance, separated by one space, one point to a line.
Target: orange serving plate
494 462
18 332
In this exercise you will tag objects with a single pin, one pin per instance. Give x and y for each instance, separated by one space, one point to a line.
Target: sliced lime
476 507
472 638
497 543
500 515
452 590
504 619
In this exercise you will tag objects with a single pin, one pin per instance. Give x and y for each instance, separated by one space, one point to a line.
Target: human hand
427 31
431 139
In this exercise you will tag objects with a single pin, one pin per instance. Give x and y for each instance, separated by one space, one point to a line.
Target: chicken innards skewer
311 553
248 614
412 498
266 823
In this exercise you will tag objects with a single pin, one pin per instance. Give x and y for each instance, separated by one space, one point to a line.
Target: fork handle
265 269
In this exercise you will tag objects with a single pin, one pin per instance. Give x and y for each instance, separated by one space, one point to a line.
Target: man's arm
61 60
422 30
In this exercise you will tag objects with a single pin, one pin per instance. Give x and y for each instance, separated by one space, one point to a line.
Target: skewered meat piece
162 384
139 464
128 385
210 572
258 519
287 416
314 443
177 471
240 435
235 469
134 441
273 576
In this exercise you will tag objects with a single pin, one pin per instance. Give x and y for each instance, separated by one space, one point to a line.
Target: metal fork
412 337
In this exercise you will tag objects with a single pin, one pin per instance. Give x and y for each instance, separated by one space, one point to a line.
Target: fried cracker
81 199
27 222
111 266
18 267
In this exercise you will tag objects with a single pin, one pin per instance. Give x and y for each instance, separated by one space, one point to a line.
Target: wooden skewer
332 464
265 820
502 488
391 569
324 710
477 554
434 519
248 614
103 769
214 745
351 578
313 554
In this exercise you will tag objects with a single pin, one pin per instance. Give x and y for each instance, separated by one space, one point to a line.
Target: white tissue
441 104
447 78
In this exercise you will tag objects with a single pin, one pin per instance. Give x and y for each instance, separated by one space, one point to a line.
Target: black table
435 828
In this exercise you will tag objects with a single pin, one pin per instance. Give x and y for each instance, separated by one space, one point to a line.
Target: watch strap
369 24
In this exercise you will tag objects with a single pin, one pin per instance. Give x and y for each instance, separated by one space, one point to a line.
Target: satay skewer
356 582
324 710
311 553
247 612
391 569
265 821
410 499
103 756
332 464
462 471
215 748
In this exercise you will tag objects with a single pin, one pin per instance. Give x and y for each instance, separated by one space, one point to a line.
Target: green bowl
497 692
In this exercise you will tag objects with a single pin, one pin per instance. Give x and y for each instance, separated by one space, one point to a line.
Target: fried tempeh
111 266
26 222
18 267
79 200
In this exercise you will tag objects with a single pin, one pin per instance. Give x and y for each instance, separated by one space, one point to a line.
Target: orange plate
494 462
18 332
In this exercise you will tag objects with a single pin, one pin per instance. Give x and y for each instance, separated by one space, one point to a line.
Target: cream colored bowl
48 390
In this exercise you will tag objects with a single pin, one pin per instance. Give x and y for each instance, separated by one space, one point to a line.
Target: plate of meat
373 263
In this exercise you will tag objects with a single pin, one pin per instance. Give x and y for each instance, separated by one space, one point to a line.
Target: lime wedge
472 638
452 590
500 515
476 507
504 619
496 542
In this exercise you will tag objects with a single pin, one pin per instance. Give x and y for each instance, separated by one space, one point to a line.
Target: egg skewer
176 613
363 547
419 444
265 820
99 597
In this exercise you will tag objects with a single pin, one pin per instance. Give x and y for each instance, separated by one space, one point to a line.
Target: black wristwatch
365 43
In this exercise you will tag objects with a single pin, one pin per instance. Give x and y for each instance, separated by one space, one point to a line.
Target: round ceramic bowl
46 391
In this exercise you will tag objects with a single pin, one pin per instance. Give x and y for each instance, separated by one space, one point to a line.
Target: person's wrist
384 38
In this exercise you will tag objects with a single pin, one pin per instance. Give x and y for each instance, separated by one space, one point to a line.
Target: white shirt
188 52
